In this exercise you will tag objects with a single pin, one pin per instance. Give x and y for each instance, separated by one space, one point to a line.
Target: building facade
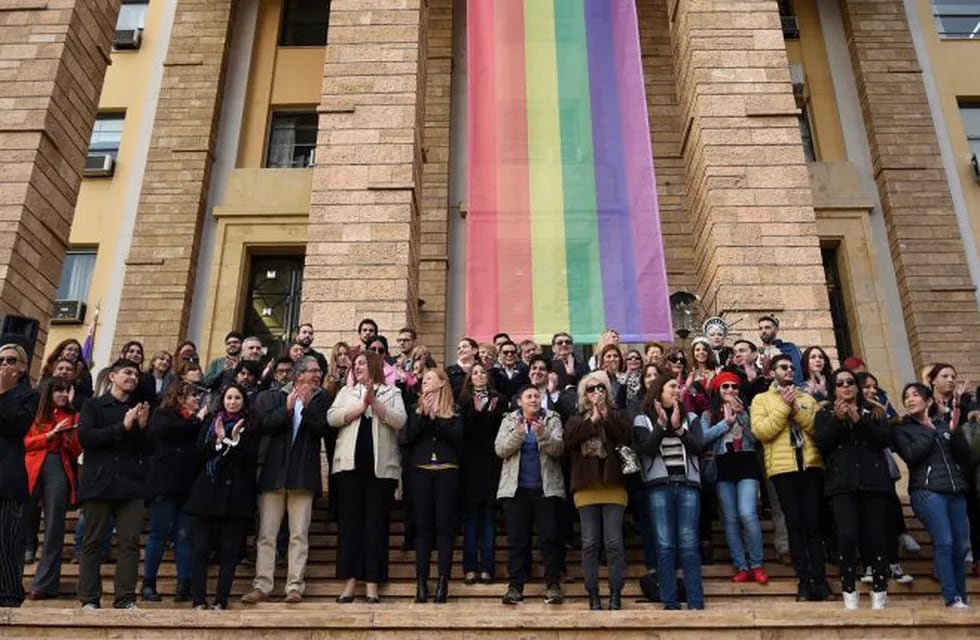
255 163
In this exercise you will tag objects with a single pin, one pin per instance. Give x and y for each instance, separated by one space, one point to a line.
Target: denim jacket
713 434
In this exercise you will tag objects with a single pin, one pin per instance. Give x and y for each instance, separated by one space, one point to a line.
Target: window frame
941 11
69 261
142 21
288 28
294 112
93 147
972 137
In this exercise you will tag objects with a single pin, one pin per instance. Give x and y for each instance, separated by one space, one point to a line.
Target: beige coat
508 444
387 462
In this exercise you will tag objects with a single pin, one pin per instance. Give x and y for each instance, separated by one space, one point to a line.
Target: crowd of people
671 437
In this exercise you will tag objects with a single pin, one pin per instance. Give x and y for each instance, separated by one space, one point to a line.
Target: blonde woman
598 486
367 414
434 437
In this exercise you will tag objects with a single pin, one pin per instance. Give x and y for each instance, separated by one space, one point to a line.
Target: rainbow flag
563 229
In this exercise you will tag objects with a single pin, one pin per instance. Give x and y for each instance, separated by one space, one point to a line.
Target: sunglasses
846 382
595 387
632 357
563 341
677 360
9 360
728 386
785 367
377 349
508 352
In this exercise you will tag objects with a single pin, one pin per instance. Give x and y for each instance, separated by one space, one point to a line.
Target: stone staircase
744 610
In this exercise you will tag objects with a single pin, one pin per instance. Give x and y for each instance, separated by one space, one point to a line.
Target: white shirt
297 417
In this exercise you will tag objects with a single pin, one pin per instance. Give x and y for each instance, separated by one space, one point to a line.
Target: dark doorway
275 287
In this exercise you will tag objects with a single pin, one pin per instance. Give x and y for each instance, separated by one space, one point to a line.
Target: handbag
629 461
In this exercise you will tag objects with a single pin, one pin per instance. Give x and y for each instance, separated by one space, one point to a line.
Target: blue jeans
944 516
168 522
739 513
674 509
479 539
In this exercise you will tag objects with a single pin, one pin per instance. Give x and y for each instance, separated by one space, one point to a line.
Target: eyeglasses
313 370
846 382
728 386
595 387
9 360
508 352
562 341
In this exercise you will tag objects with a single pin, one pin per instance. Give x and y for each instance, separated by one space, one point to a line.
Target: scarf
216 452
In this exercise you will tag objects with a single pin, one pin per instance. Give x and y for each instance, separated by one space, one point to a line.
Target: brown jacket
593 471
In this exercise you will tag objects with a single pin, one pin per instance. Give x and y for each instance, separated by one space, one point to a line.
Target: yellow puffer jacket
770 424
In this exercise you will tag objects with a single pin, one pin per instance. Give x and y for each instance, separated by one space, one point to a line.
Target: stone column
156 298
754 229
934 283
363 249
53 57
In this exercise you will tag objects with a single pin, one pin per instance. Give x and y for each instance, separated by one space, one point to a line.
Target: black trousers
895 520
362 525
226 536
520 512
11 553
434 499
861 518
99 514
801 497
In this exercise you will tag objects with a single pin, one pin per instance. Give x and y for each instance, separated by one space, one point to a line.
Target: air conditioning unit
68 312
975 163
798 78
127 39
99 165
791 27
312 161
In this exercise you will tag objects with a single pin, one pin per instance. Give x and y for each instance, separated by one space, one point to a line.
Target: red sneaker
759 575
741 576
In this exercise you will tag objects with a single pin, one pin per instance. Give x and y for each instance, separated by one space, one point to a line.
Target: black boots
183 591
150 591
615 599
442 589
595 602
421 589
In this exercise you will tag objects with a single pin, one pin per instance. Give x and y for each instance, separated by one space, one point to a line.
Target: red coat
38 447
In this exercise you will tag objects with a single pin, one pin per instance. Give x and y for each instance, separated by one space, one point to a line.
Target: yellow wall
810 52
956 69
280 77
98 214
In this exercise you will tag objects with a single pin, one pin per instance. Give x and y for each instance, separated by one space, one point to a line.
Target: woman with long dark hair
937 454
816 369
852 436
51 451
670 444
482 409
367 466
222 500
71 350
174 428
467 352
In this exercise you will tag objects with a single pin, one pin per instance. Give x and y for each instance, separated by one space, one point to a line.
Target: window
106 134
971 124
957 18
835 295
791 26
304 23
809 148
292 139
76 275
272 304
132 15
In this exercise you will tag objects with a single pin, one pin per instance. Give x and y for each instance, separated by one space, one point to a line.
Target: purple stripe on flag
615 248
644 217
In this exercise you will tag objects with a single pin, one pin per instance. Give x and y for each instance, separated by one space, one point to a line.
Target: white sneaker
88 606
909 543
129 606
969 556
879 599
898 575
851 600
867 578
200 607
958 604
